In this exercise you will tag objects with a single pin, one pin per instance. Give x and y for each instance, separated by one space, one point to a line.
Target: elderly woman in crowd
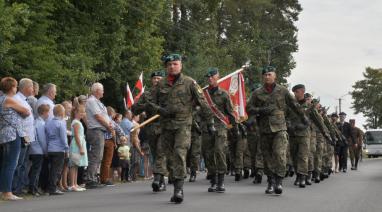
11 115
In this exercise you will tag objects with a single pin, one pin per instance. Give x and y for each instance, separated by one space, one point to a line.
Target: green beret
315 101
334 115
307 95
212 71
268 69
159 73
171 57
298 86
342 114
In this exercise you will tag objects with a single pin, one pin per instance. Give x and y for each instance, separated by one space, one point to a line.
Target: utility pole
339 104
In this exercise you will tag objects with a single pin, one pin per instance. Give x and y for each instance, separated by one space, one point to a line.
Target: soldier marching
285 133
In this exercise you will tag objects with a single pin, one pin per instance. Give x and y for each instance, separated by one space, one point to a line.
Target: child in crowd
68 110
77 153
38 149
124 160
56 136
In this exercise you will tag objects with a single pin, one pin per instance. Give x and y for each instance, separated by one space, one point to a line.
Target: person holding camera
11 117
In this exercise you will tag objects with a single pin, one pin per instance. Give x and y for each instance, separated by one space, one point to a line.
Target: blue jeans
21 174
10 156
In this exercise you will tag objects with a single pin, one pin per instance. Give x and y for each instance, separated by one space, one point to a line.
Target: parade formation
277 133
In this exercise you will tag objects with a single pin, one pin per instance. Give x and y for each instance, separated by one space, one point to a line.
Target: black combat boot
322 176
271 185
316 177
253 172
246 173
220 187
162 186
278 184
178 191
213 182
297 181
330 171
209 176
192 176
258 178
308 180
156 182
302 181
238 175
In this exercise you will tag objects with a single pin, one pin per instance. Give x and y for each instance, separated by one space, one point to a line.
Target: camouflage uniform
152 130
175 104
254 146
355 152
193 156
270 109
299 140
319 139
216 146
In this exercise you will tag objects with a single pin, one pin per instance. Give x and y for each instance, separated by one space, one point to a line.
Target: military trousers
274 149
312 152
254 146
238 147
193 155
153 136
319 153
299 152
355 154
174 144
215 148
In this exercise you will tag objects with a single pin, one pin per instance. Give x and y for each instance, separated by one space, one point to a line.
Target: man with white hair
49 92
25 90
98 124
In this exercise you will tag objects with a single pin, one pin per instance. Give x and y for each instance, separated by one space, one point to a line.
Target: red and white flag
129 100
234 85
139 86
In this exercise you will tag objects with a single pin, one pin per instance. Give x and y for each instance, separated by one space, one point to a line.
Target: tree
367 97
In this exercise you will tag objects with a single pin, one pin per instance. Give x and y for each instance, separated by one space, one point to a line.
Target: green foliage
74 43
367 98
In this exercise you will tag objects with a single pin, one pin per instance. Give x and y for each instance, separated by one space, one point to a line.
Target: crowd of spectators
79 144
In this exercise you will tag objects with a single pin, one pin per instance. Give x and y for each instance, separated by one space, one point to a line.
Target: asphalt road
356 191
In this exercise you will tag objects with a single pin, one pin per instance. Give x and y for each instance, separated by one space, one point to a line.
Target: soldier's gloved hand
306 121
211 130
243 129
301 126
266 110
165 113
235 132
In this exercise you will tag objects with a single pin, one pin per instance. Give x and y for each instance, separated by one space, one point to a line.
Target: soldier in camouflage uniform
254 146
299 138
319 134
355 150
269 104
193 155
328 160
216 159
174 99
153 129
238 147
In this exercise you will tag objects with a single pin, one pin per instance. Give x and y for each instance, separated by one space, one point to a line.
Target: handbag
75 158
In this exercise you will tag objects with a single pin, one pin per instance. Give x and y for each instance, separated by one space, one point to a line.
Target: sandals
11 198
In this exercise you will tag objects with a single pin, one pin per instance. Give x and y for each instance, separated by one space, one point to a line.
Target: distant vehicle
373 143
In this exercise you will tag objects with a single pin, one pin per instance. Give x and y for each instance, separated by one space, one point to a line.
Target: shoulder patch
198 88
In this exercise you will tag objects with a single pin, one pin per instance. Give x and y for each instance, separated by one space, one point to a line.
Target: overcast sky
337 40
